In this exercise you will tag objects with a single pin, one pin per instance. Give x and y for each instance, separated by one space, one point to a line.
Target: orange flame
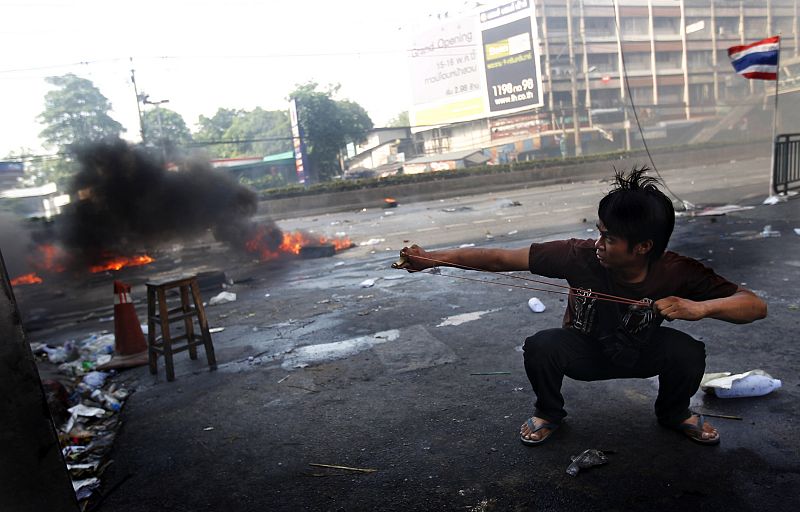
31 278
49 258
339 244
291 243
120 262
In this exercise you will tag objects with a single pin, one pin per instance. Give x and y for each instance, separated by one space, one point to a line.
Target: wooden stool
157 300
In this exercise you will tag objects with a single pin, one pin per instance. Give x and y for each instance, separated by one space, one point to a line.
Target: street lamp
157 105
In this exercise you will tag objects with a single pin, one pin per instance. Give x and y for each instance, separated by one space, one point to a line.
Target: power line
436 52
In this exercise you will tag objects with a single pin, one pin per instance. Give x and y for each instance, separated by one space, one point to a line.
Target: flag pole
775 122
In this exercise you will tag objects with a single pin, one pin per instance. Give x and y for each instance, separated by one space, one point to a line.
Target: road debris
491 373
587 459
464 318
536 305
768 232
721 210
87 429
457 209
748 384
346 468
222 298
723 416
773 200
508 203
367 283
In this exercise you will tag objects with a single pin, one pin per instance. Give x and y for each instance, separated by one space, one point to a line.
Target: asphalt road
543 209
420 377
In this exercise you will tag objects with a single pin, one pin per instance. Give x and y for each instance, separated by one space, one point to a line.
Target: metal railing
786 168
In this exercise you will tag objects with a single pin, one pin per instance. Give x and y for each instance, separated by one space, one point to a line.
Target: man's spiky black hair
636 210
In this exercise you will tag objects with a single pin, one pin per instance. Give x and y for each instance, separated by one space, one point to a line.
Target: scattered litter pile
85 407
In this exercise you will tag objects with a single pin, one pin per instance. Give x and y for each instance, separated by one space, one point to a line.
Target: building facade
680 81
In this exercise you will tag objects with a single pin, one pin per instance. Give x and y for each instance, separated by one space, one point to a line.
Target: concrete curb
440 189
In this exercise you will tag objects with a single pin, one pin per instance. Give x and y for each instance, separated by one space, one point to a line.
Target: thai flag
758 60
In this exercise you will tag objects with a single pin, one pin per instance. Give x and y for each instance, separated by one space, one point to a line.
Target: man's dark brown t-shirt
575 261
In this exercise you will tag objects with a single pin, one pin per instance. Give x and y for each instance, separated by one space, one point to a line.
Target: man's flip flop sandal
533 429
695 432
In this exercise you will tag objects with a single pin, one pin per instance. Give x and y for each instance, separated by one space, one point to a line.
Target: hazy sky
203 55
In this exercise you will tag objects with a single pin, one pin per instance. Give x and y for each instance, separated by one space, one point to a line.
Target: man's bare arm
742 307
493 260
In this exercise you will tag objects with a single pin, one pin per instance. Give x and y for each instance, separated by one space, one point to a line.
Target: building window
634 26
700 60
665 26
728 28
668 60
637 61
755 27
556 26
670 94
600 27
642 95
605 98
783 24
701 94
603 62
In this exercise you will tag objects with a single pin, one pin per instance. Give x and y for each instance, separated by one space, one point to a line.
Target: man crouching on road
602 339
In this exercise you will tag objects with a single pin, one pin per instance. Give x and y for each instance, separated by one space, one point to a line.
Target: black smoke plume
125 201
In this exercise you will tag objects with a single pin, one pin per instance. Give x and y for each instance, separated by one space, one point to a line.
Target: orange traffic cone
130 347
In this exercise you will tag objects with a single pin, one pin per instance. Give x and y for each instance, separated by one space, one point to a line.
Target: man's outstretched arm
742 307
493 260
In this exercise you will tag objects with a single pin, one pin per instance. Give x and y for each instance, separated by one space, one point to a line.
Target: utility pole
576 122
157 104
138 106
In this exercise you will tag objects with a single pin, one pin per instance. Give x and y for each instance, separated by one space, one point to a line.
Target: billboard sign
478 65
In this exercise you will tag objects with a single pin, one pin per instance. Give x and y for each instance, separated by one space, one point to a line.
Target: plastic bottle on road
109 402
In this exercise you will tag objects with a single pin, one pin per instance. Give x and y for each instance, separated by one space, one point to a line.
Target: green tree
163 124
230 124
400 120
214 127
328 125
75 113
261 124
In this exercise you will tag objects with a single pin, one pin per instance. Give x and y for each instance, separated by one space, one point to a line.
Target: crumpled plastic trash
771 200
65 353
367 283
727 385
768 232
222 298
82 410
83 488
536 305
797 231
586 459
95 379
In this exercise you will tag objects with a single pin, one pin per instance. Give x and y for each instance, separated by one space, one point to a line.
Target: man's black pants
678 359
